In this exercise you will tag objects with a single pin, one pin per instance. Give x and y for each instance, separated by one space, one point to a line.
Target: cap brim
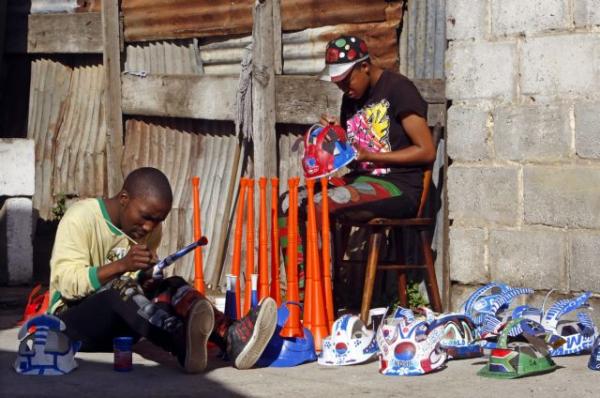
338 72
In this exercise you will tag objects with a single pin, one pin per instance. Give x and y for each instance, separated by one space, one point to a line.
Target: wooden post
111 56
263 91
277 46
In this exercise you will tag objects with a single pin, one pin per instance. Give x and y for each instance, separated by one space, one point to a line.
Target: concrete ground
156 374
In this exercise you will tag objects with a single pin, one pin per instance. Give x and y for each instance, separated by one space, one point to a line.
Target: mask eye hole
26 347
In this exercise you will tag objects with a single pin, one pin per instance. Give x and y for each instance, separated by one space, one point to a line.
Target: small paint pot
122 347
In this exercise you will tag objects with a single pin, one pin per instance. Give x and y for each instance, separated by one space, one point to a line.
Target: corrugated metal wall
146 20
174 58
303 51
65 119
423 39
66 107
182 149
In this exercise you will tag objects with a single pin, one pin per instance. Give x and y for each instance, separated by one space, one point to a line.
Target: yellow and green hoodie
85 241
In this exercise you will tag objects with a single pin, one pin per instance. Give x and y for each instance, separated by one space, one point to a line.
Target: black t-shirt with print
374 123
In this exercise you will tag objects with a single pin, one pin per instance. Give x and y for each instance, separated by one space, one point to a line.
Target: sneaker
199 325
248 337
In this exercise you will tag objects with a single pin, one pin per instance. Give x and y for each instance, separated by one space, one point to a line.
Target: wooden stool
422 223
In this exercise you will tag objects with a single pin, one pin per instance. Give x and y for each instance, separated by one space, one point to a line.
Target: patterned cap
341 54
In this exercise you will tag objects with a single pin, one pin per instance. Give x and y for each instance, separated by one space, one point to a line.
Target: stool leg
374 244
402 288
431 280
401 259
339 249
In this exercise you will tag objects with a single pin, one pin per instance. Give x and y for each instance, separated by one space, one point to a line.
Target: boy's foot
199 325
248 337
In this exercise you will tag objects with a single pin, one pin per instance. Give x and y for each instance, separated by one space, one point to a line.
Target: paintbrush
123 233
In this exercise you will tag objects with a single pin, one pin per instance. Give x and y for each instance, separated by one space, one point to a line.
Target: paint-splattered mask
326 150
350 343
47 350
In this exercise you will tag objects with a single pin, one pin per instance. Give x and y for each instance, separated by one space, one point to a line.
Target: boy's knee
174 282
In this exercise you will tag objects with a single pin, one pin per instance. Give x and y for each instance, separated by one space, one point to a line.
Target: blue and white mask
47 351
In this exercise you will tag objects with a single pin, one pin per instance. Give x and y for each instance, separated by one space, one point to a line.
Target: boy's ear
366 67
123 198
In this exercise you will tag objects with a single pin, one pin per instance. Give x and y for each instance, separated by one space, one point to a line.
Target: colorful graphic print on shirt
117 253
369 129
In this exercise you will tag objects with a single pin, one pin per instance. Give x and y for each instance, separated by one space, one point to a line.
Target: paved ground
156 375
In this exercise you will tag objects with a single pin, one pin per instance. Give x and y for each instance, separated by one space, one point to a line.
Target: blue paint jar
123 354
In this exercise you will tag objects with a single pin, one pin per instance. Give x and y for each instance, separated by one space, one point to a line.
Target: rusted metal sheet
49 91
423 39
303 52
171 19
182 149
80 157
302 14
146 20
65 120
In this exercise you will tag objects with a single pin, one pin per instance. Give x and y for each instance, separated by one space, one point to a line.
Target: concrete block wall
523 78
17 184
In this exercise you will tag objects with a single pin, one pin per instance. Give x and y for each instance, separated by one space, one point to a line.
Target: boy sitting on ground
101 284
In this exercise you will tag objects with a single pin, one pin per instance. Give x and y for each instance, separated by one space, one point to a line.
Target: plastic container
123 354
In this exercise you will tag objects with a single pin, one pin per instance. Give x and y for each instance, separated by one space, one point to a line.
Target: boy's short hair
148 181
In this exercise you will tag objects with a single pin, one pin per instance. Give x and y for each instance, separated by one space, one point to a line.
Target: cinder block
476 70
585 261
528 258
459 294
467 255
511 17
17 162
587 13
16 241
479 196
532 132
562 196
587 129
467 133
466 19
562 64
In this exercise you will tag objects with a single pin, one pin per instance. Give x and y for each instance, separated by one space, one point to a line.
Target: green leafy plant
415 298
59 209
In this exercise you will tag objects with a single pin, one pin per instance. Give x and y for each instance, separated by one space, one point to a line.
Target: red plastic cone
237 245
319 326
292 327
198 265
275 288
263 242
326 253
249 247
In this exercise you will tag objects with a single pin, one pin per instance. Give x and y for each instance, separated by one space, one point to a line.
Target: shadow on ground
155 374
96 378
